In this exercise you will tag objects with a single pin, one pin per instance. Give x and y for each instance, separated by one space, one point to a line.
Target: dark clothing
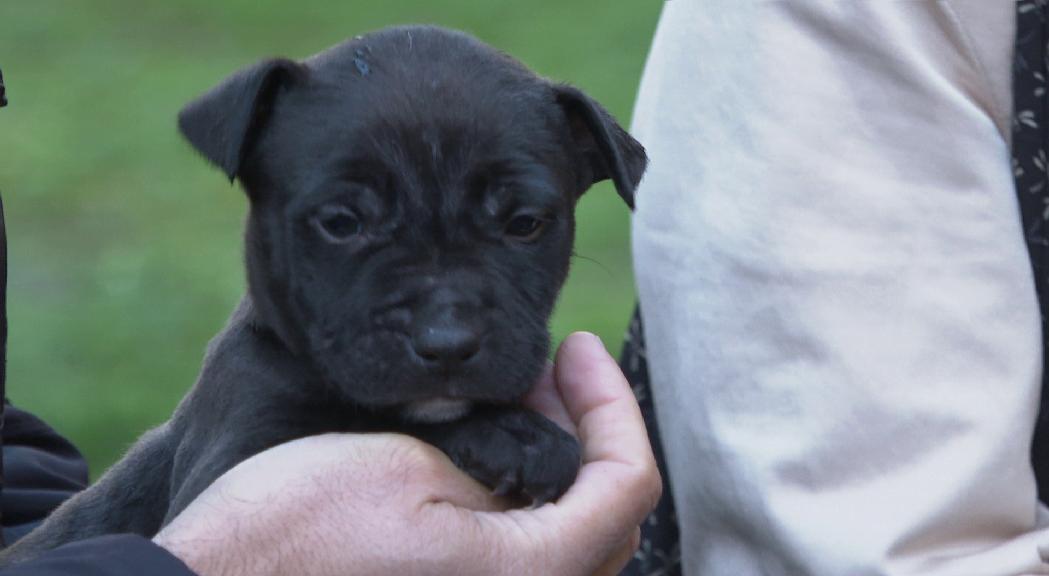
1030 137
42 469
659 553
117 555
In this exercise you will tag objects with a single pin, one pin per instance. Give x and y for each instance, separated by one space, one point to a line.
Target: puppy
411 223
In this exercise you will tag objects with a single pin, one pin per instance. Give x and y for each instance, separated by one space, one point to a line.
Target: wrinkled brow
503 187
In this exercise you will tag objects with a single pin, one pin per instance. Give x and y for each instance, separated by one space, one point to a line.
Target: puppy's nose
445 346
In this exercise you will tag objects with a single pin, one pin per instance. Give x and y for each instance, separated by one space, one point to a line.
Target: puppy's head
412 196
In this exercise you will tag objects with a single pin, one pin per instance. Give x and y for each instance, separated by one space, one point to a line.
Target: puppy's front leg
206 454
514 451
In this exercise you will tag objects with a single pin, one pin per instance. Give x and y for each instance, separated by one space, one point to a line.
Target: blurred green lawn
125 246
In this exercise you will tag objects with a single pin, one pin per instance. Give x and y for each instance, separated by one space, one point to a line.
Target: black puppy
411 223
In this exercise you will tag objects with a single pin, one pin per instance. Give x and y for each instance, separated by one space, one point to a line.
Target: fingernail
594 338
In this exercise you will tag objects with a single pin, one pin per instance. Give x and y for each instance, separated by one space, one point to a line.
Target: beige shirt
843 333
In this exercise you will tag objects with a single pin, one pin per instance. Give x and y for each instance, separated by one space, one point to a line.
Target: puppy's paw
515 452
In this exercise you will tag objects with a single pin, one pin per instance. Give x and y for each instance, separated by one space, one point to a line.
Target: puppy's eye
337 223
525 228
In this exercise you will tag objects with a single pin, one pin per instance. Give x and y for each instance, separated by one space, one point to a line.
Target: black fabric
41 470
1030 131
660 550
116 555
3 330
3 92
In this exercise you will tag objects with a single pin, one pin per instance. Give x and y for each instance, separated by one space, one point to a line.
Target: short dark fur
385 176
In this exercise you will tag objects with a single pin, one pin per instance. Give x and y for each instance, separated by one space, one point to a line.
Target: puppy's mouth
436 410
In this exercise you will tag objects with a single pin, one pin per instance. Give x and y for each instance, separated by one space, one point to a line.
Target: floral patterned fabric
1030 135
660 551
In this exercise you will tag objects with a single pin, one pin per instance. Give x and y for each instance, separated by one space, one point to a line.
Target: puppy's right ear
221 123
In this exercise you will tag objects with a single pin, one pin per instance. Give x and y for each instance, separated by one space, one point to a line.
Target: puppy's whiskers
606 269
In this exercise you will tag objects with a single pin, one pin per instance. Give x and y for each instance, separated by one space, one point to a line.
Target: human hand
341 504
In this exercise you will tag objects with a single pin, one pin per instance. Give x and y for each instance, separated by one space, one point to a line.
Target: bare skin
340 504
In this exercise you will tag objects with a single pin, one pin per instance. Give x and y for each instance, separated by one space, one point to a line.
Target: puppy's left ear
222 122
606 149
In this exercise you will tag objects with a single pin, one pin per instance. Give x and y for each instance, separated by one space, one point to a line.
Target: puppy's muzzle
447 330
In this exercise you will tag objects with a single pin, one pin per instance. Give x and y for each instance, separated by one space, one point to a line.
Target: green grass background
125 253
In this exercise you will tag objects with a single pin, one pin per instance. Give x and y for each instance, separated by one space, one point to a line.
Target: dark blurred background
125 253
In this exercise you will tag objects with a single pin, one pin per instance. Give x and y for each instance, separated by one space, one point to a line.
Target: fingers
619 483
545 399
